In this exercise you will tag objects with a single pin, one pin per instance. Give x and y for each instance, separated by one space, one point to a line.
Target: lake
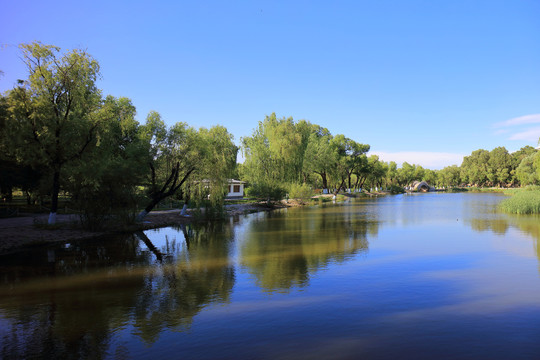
420 276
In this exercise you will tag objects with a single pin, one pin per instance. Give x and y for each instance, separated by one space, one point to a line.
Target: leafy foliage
54 112
300 191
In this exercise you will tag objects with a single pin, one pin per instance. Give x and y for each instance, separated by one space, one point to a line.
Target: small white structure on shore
235 189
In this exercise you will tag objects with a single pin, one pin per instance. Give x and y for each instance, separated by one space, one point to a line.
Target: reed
526 201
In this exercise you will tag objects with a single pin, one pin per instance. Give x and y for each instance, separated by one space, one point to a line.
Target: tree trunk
324 181
185 206
356 184
170 187
363 182
155 200
340 185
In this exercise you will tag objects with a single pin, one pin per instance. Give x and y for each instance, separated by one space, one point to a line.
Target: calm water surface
411 276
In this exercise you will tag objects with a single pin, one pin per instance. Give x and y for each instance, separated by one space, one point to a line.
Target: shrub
266 191
394 189
457 189
300 191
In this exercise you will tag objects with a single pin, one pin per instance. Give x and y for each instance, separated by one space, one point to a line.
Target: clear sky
422 81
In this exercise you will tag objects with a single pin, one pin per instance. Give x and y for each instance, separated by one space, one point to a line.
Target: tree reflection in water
285 247
80 300
502 223
68 300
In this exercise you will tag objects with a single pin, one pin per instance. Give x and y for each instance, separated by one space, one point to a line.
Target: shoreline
28 231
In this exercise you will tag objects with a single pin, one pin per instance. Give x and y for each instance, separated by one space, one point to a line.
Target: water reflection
349 279
283 249
69 300
503 224
59 309
192 277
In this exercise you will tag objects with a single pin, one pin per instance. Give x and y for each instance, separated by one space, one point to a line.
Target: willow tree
172 159
320 156
181 155
217 164
104 182
274 155
52 113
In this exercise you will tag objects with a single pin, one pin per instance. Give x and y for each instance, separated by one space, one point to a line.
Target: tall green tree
517 158
406 174
274 155
181 155
500 165
217 165
449 176
173 158
103 183
430 176
474 168
527 171
320 156
8 163
53 112
391 173
350 158
377 171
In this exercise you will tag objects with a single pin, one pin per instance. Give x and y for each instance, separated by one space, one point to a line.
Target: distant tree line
282 155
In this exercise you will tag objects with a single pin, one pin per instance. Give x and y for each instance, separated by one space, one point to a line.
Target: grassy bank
522 201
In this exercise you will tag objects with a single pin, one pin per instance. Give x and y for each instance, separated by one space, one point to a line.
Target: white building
236 189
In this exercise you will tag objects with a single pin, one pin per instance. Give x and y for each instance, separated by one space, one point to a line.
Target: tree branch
183 179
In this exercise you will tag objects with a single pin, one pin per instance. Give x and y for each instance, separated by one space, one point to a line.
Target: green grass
486 189
523 201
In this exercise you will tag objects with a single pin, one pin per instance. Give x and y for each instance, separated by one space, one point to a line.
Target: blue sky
422 81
